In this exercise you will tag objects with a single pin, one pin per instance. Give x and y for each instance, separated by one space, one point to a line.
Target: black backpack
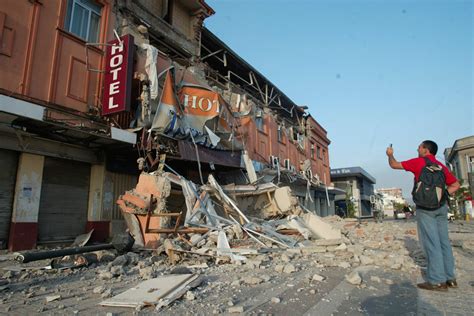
429 192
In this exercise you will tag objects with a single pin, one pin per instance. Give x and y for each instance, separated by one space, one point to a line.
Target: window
259 123
324 155
280 134
318 151
83 19
312 151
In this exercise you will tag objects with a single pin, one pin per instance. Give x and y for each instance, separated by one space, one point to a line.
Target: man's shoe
452 283
433 287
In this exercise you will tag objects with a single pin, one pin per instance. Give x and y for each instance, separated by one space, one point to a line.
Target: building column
24 225
95 218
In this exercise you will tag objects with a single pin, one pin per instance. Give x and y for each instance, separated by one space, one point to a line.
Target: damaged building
95 94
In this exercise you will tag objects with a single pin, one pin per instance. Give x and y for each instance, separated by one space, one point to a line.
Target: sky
371 72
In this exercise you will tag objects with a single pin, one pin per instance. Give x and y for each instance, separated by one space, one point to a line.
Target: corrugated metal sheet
64 199
9 160
115 185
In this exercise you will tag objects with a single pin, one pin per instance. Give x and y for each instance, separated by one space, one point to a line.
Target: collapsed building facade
92 93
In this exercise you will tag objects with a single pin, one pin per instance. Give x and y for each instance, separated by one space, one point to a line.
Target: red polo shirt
416 164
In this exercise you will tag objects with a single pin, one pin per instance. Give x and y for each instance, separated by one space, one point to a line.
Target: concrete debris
235 309
252 280
317 277
345 265
275 300
320 228
151 291
98 290
52 298
289 268
190 296
354 278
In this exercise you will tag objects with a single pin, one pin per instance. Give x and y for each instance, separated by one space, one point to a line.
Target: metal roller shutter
9 162
64 199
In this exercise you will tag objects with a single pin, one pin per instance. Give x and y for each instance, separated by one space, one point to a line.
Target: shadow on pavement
402 300
416 253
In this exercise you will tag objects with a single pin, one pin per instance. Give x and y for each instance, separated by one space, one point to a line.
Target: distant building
460 160
395 192
389 197
358 186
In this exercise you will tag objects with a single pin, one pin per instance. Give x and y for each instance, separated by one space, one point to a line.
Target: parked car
399 214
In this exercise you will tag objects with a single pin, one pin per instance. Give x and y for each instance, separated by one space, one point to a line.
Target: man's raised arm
392 161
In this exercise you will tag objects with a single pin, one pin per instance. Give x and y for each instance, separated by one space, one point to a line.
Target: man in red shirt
432 224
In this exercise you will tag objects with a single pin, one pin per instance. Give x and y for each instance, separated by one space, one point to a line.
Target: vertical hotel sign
118 75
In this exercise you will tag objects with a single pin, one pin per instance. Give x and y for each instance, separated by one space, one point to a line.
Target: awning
207 155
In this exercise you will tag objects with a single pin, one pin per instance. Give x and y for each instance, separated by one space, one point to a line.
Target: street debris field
251 249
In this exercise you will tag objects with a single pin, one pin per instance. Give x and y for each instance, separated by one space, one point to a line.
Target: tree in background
351 211
460 197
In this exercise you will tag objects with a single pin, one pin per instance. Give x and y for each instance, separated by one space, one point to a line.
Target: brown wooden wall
263 144
40 59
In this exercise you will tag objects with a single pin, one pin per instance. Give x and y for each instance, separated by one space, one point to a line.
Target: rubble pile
186 236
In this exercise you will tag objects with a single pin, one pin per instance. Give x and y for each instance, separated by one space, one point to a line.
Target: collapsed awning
207 155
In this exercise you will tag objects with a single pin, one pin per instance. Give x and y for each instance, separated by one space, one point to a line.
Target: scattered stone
276 300
341 247
252 280
279 268
61 306
147 273
354 278
52 298
117 270
388 281
120 261
190 296
106 275
375 279
8 308
98 290
289 268
345 265
230 303
253 264
133 258
284 257
365 260
235 309
312 291
317 277
265 278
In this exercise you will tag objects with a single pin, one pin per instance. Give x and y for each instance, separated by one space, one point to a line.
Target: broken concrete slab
149 292
319 228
